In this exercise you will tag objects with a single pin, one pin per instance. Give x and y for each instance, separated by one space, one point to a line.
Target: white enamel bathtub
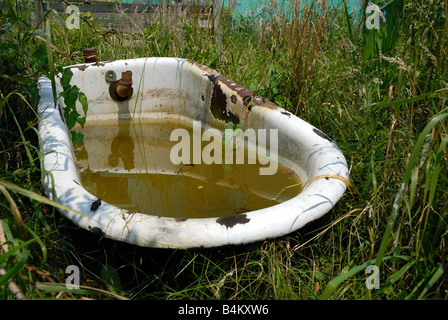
179 88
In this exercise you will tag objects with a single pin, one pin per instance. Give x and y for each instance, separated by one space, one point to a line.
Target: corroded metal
89 55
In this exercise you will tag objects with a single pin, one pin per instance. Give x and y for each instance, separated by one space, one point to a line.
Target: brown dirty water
127 163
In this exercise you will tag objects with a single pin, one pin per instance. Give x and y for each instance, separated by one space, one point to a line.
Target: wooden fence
133 17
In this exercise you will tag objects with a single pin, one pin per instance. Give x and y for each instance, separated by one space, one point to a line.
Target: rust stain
286 114
288 171
218 104
102 63
231 221
262 102
321 134
219 98
81 67
96 231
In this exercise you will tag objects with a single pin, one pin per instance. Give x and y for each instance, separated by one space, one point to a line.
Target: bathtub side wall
162 87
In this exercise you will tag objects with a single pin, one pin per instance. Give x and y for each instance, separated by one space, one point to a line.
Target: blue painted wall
254 6
248 7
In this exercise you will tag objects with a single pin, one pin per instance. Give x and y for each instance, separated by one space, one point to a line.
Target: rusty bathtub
175 87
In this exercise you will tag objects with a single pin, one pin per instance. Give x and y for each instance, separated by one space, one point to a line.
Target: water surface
127 163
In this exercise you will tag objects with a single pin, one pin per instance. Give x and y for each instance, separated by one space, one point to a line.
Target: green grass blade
28 152
60 287
407 176
15 269
334 283
349 24
22 136
437 274
41 244
397 275
50 60
408 100
436 171
13 250
36 196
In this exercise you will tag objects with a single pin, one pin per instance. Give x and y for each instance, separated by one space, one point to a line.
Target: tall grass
380 94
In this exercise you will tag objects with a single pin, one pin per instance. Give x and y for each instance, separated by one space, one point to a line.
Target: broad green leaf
70 118
84 103
67 75
81 121
77 137
70 96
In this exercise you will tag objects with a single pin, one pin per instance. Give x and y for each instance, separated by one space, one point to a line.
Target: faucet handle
89 55
121 90
126 78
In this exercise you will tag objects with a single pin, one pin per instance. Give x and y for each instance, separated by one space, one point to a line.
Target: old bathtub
180 88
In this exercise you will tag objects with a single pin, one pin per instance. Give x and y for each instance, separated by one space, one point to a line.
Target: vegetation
381 94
